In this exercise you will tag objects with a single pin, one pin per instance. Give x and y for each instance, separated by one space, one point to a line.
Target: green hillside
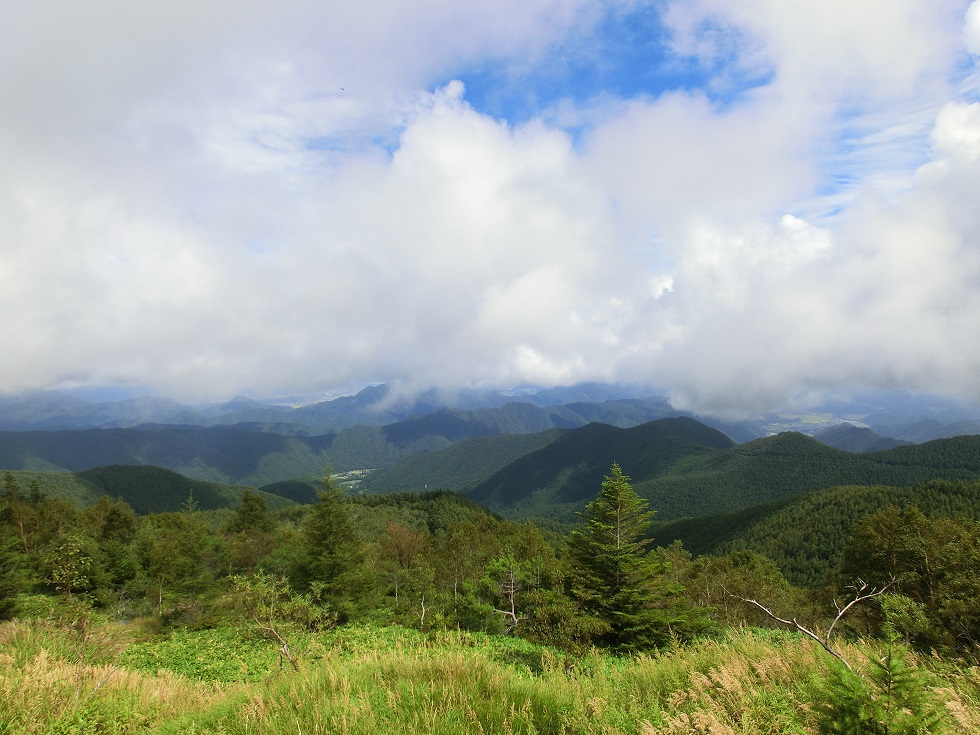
434 511
456 467
556 480
686 469
217 454
147 489
299 491
254 454
806 534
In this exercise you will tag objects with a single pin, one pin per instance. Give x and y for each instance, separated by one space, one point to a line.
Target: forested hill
250 455
686 469
460 466
147 489
216 454
805 535
559 478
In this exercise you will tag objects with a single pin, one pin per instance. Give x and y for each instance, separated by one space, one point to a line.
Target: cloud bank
209 201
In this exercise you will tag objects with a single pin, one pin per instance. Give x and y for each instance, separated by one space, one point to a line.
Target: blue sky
750 205
625 54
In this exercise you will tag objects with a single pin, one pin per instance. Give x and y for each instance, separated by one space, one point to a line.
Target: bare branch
284 651
862 593
511 615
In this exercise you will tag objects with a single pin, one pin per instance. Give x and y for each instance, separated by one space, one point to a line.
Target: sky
751 205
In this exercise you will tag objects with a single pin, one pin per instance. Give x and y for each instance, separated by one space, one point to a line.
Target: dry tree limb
284 651
862 593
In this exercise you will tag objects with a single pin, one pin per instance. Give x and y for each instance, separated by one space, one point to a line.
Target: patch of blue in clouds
625 56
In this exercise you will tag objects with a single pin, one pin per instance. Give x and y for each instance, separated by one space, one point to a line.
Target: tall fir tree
613 576
333 565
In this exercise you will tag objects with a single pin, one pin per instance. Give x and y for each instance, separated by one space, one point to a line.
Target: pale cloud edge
212 201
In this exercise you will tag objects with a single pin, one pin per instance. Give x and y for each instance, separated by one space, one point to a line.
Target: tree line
437 561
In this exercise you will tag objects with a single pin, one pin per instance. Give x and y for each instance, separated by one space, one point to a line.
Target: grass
373 681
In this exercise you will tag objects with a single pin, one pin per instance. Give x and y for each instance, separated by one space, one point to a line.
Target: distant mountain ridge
246 454
375 405
146 489
853 438
902 417
681 466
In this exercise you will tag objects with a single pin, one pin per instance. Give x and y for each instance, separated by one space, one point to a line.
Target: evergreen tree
251 516
250 532
333 564
12 572
11 488
889 697
613 577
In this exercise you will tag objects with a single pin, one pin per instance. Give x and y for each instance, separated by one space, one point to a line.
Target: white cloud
222 198
971 31
887 300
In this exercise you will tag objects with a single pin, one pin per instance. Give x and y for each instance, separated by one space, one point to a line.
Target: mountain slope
147 489
456 467
216 454
559 478
852 438
806 534
253 455
686 469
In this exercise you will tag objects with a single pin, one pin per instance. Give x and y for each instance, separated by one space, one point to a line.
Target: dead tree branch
862 593
284 651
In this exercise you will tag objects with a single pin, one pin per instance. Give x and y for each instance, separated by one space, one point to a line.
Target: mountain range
789 495
898 416
683 467
253 443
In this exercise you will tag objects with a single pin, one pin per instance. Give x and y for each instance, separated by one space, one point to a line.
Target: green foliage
251 516
611 574
554 619
12 573
718 583
936 562
177 556
11 488
69 566
888 697
806 535
332 566
435 510
216 655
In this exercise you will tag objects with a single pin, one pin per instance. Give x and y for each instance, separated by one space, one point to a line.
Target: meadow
101 676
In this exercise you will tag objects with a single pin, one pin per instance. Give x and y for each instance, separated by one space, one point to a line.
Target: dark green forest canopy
146 488
684 471
806 534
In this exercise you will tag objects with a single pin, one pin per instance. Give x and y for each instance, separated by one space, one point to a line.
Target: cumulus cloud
224 198
794 311
971 31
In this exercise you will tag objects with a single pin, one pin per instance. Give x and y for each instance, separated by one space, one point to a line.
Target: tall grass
374 681
53 681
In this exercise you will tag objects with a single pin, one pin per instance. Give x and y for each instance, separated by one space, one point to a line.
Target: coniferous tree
613 577
250 532
333 564
12 572
251 516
